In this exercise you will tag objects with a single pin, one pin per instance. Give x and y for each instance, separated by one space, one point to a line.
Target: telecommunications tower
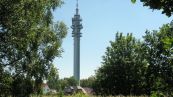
76 34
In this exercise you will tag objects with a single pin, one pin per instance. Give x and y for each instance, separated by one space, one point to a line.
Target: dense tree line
88 82
29 41
66 82
135 67
60 84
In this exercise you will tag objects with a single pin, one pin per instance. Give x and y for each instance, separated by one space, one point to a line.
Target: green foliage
122 69
159 56
134 67
53 78
29 40
5 83
61 93
66 82
79 95
166 6
157 94
22 87
133 1
87 82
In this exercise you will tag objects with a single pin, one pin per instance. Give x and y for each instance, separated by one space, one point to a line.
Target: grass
95 96
82 95
90 96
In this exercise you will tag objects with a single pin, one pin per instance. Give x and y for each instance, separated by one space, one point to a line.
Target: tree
134 67
5 83
29 40
53 78
165 5
21 87
123 68
66 82
159 55
87 82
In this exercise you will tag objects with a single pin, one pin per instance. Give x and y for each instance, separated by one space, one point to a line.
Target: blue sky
101 20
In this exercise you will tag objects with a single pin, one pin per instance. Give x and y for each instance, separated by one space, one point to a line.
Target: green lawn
81 95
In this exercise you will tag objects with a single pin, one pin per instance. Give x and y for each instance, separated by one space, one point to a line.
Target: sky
101 20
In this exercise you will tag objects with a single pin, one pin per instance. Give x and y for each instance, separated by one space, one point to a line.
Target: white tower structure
76 34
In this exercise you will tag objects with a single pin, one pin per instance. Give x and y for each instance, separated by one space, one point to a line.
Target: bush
157 94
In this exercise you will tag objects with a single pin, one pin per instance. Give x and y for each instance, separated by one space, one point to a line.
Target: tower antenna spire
77 4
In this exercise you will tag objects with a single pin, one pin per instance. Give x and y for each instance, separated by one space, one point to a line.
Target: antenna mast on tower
77 4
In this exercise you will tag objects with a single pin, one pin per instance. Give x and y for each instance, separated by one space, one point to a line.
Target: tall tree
123 68
29 40
159 54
